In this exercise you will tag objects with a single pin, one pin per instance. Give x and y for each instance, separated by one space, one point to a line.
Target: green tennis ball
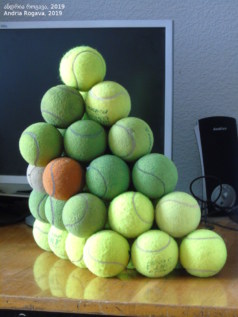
53 211
34 177
82 67
36 205
154 175
107 102
106 253
154 253
40 233
203 253
62 105
131 214
85 140
84 214
41 268
74 248
107 176
40 143
130 138
178 214
56 240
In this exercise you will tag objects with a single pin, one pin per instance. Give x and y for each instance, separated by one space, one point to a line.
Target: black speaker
218 147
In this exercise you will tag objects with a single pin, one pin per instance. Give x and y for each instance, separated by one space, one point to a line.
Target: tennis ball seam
206 238
91 93
152 251
199 270
179 202
52 178
136 211
54 115
153 175
103 178
103 262
83 216
75 58
129 132
36 143
52 211
85 135
38 207
42 231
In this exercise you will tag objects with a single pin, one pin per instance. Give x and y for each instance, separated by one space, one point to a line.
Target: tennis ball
62 105
58 276
154 253
107 176
85 140
178 214
40 143
106 253
34 177
203 253
131 214
77 282
84 95
154 175
36 205
40 233
82 67
53 211
74 248
107 102
130 138
63 177
84 214
56 240
41 268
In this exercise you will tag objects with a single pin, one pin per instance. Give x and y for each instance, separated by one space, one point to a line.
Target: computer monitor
138 55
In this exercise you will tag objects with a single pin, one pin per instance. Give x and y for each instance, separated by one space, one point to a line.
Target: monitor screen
138 56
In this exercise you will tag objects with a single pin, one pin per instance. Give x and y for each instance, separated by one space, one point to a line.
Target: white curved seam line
136 211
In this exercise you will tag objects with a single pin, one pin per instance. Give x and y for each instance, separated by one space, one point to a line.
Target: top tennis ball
82 67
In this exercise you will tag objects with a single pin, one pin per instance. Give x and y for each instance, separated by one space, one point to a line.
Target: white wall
205 62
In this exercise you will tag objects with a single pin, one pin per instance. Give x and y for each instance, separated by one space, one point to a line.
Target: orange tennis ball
63 177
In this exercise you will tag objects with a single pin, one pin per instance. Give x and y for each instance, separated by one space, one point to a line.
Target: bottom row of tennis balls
154 253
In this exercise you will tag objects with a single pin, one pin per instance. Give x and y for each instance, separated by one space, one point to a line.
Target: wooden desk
31 279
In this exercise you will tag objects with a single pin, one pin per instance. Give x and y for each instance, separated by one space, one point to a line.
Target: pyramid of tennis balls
100 198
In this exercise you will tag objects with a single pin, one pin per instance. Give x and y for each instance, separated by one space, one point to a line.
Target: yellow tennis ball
74 248
40 233
130 138
77 282
41 268
82 67
106 253
58 276
154 253
131 214
178 214
107 102
203 253
56 239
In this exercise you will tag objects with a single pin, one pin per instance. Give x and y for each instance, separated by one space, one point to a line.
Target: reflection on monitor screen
138 55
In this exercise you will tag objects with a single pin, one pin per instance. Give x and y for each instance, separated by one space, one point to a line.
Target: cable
209 204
